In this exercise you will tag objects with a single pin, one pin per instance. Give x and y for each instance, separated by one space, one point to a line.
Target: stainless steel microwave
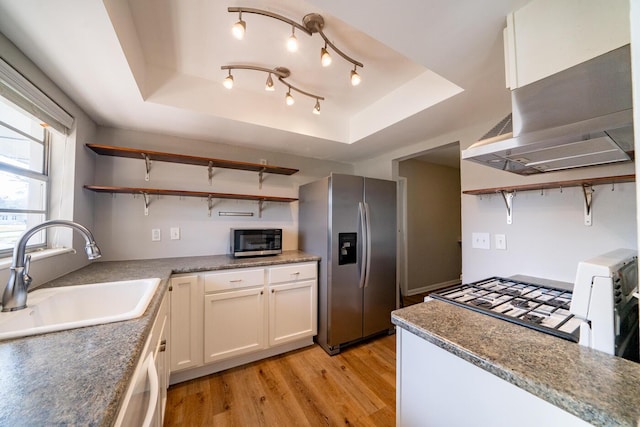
255 241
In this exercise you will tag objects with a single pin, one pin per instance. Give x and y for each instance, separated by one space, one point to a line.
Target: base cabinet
292 313
186 322
233 323
225 318
432 385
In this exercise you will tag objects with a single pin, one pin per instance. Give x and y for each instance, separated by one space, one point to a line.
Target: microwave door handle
362 244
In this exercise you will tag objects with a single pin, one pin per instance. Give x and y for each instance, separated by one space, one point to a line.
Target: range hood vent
579 117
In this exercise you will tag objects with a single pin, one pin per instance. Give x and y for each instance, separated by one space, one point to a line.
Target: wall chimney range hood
578 117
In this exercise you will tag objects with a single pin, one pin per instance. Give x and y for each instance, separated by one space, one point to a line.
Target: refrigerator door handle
367 217
363 244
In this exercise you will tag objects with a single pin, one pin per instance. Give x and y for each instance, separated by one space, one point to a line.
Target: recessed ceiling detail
154 66
181 51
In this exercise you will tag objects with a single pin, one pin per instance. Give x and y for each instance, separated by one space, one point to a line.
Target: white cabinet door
292 311
186 322
545 36
233 323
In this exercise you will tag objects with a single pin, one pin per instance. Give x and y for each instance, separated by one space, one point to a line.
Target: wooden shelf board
186 193
134 153
555 184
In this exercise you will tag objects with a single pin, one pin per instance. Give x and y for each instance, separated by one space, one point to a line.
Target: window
24 149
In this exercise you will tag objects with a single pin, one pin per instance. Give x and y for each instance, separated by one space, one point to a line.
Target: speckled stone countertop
79 377
600 389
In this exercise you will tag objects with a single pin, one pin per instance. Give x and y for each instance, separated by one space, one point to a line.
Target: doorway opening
429 219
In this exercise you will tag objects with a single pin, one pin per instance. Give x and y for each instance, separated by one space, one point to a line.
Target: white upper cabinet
548 36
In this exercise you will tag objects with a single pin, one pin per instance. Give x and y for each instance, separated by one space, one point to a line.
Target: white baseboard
432 287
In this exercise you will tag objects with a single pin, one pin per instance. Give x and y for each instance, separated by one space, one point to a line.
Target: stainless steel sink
69 307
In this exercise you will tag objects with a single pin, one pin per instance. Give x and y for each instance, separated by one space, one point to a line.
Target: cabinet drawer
293 272
234 279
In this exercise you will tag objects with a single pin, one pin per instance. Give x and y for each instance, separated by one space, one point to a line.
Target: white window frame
44 177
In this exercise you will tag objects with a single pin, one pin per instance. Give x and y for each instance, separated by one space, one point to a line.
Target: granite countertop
80 376
601 389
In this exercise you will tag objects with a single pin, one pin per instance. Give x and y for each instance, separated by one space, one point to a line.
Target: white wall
124 232
72 172
434 256
547 238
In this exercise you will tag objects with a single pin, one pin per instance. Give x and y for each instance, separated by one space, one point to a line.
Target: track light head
325 58
239 28
316 108
289 99
355 77
228 81
269 86
292 41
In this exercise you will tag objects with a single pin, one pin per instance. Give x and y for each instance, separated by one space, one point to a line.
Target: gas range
543 308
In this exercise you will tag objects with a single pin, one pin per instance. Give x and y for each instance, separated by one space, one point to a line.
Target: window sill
5 263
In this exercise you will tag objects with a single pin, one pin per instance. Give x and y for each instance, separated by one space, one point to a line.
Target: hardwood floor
306 387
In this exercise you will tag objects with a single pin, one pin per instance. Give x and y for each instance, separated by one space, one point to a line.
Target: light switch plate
500 241
155 234
480 241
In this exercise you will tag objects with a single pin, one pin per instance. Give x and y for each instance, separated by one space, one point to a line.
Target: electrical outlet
155 234
500 241
175 233
480 241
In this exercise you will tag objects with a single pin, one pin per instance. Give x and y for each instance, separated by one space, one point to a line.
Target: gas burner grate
542 308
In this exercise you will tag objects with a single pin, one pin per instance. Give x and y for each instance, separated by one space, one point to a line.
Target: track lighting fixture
269 86
289 99
228 81
325 58
292 41
280 72
312 23
355 77
239 28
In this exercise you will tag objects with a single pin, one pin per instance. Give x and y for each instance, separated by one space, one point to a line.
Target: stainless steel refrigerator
350 222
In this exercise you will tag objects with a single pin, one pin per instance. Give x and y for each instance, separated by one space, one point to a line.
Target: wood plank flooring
306 387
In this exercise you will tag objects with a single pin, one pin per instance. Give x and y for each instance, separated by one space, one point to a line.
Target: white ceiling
430 66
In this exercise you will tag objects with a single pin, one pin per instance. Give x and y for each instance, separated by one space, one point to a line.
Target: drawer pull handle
297 273
235 281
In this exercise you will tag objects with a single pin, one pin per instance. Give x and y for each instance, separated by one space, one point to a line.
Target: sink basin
69 307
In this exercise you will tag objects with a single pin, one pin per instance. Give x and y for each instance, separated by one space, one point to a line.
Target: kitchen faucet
15 294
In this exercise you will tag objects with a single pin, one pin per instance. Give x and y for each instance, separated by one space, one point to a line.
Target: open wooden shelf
210 196
555 184
186 193
134 153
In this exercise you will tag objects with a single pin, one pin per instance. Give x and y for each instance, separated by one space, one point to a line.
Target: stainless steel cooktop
543 308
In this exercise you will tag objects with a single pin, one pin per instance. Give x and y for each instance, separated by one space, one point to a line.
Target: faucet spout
15 294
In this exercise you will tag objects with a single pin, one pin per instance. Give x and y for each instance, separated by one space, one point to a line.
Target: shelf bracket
588 191
147 163
260 208
210 176
210 204
147 202
261 177
508 201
